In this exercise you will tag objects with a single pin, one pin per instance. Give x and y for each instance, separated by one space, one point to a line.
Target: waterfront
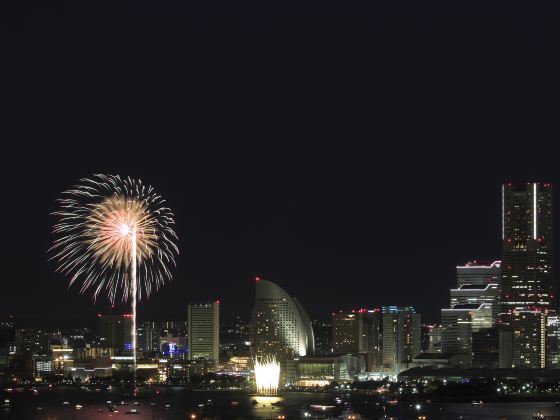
181 403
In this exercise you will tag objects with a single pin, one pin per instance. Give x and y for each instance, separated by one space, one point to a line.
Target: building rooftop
481 264
464 306
476 286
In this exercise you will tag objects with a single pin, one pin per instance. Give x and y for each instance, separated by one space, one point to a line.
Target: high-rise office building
553 341
527 289
204 331
115 332
527 282
486 348
476 294
435 340
460 322
357 331
529 339
322 332
473 305
479 272
401 336
280 325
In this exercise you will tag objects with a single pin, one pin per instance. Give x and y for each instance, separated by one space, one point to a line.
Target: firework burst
115 237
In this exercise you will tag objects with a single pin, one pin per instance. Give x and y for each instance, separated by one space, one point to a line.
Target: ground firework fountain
115 236
267 375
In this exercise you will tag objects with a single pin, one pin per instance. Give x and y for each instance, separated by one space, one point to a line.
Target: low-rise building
314 371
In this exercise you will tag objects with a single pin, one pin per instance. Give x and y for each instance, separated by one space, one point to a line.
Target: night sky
353 156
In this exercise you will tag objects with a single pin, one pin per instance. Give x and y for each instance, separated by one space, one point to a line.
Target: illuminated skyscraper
147 336
527 282
115 333
553 341
473 305
401 336
435 338
357 331
281 326
529 339
204 331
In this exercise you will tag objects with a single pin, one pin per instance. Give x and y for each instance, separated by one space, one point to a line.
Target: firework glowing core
124 229
267 376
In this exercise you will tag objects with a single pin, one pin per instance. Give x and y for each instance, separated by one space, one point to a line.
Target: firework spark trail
134 281
115 235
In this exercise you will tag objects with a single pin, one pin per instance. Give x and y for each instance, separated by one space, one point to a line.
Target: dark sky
354 156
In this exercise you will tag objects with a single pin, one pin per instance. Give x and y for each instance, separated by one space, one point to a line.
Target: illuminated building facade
476 294
401 336
88 353
553 341
43 367
281 327
479 272
529 339
115 333
527 282
435 340
175 346
62 358
203 324
460 322
357 332
314 371
473 306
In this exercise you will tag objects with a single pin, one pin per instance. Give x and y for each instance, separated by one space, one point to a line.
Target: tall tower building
204 331
401 336
527 282
115 332
281 326
148 337
357 331
529 339
553 341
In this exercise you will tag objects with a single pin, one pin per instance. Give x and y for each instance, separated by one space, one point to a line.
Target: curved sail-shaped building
281 327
